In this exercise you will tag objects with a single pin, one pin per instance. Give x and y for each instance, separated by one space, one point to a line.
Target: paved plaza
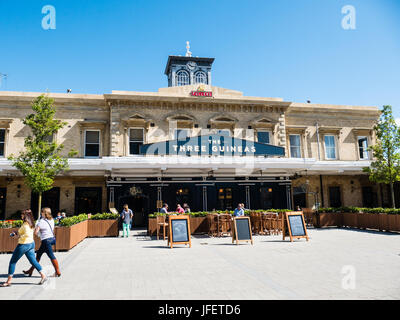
334 264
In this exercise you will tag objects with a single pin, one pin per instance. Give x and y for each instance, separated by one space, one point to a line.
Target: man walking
126 216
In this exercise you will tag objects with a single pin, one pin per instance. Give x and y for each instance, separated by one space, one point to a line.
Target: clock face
191 65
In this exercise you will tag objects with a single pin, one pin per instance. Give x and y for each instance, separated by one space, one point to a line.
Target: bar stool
224 224
212 224
162 224
256 222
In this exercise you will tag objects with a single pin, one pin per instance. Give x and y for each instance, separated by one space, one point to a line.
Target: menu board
241 230
179 230
294 226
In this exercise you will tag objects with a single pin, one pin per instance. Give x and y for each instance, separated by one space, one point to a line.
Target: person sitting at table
238 211
186 208
164 209
179 209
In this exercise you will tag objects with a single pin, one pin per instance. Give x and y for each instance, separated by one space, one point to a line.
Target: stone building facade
311 154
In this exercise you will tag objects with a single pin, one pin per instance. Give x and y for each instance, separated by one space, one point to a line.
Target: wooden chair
224 224
266 223
279 222
162 224
212 224
256 222
308 216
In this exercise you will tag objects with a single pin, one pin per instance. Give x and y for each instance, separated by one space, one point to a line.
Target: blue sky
294 49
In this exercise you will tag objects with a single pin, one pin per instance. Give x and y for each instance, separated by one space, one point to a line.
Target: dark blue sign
212 145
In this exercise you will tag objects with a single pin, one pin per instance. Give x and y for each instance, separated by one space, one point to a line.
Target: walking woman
45 226
26 246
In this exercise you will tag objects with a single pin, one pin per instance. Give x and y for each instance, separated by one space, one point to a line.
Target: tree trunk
39 204
392 195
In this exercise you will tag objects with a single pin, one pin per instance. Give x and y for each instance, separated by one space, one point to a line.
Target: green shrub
104 216
67 222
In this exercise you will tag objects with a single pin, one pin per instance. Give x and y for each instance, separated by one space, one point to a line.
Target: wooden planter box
197 225
152 227
393 222
103 228
8 244
330 219
363 220
350 220
383 222
69 237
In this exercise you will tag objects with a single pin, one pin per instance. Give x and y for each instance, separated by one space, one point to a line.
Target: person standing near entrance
26 246
126 216
238 211
45 227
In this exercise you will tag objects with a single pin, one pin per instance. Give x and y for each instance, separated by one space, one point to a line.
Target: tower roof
184 59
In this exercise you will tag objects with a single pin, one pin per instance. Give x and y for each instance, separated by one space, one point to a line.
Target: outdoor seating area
219 224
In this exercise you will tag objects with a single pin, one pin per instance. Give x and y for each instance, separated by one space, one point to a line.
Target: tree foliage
41 161
385 167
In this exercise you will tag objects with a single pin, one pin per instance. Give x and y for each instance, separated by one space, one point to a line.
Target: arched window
182 78
201 77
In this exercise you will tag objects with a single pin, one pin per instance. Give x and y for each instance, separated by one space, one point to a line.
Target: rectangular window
2 141
135 140
362 148
295 151
92 143
181 134
330 147
263 137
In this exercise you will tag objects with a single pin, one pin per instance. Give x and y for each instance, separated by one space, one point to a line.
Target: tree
385 168
41 161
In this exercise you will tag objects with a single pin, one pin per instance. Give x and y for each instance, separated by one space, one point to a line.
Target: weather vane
188 53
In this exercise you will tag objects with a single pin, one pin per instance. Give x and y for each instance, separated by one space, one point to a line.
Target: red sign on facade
201 93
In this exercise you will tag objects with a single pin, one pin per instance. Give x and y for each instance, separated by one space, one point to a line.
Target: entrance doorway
137 204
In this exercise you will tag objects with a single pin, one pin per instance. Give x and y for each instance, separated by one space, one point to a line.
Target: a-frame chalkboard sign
179 230
294 225
241 230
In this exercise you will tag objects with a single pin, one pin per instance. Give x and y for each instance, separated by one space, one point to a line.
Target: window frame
129 140
364 151
178 73
198 73
84 144
326 149
269 135
4 143
300 145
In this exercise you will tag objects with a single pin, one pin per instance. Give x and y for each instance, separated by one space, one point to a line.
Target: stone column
114 131
282 130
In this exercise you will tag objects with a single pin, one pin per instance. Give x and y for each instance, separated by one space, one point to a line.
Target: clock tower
188 70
